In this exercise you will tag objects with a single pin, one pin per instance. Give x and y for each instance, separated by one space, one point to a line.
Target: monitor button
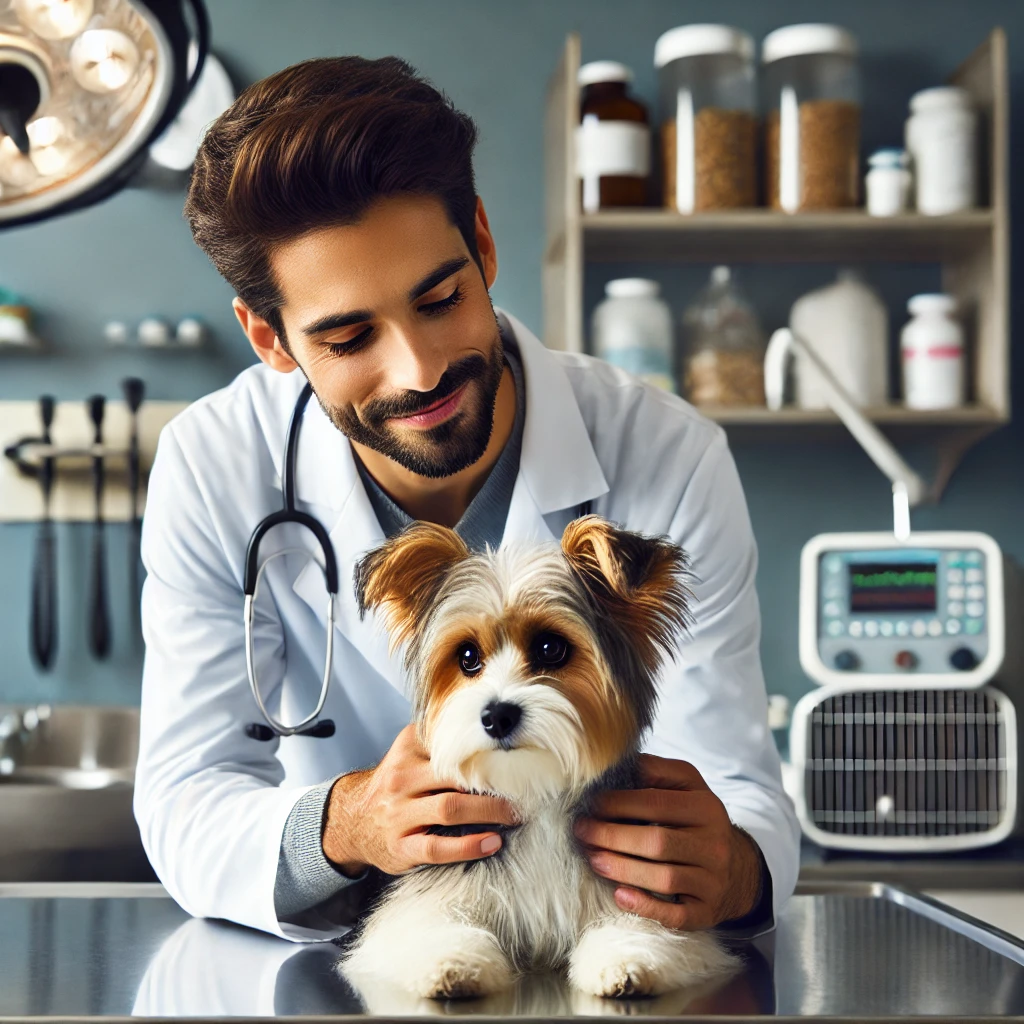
856 628
905 659
963 659
846 661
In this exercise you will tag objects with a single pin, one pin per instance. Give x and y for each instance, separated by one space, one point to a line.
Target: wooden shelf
972 249
758 236
890 415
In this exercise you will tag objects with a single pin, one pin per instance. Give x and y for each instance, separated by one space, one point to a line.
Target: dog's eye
550 650
469 658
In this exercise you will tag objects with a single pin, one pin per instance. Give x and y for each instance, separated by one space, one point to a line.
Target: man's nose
414 362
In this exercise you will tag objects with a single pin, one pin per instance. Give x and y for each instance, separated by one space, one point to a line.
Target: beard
442 450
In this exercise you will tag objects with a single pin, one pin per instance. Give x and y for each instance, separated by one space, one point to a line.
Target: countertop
839 950
998 867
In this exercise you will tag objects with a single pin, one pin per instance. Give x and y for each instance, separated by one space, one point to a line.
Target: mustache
408 403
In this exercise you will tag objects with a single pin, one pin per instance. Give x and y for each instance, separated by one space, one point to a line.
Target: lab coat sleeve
208 799
714 710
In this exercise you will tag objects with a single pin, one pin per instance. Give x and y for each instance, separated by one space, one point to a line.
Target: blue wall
133 256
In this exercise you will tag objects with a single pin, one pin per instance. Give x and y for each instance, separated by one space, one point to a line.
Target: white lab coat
212 803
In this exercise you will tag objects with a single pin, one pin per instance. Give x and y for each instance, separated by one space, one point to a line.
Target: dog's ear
637 582
403 576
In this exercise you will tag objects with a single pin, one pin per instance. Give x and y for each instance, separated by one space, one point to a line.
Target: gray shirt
308 886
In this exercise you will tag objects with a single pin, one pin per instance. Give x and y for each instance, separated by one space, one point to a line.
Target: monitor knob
906 660
846 661
963 659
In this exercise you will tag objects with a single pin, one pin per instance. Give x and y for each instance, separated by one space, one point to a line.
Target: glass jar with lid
812 128
707 86
724 346
613 140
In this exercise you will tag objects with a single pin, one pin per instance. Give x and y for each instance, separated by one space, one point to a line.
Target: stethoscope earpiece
259 731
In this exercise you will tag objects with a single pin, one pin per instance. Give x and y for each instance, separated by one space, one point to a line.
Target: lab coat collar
558 470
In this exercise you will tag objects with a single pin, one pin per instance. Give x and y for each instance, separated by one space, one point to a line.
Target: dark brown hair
314 146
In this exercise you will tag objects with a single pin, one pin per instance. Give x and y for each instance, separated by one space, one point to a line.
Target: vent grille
907 763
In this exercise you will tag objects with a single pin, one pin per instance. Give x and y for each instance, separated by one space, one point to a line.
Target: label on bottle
606 148
648 364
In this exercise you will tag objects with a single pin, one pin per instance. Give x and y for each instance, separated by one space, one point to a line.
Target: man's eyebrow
435 277
336 321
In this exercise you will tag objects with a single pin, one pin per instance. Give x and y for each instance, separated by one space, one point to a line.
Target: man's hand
690 850
380 816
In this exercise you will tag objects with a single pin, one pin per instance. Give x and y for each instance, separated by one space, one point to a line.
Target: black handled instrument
99 611
43 611
134 391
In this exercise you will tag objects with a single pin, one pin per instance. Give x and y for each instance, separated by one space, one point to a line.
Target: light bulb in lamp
103 60
50 145
54 19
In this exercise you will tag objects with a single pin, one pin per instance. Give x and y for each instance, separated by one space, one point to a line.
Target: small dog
534 672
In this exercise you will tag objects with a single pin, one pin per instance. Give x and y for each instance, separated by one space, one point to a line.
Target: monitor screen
892 586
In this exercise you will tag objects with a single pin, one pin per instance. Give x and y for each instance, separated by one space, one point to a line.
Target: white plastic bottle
847 324
932 347
941 137
632 329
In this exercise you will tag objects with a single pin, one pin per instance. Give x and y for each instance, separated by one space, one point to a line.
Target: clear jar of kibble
707 81
811 90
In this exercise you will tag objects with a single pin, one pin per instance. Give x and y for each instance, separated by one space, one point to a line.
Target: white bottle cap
701 40
931 303
942 97
603 71
801 40
632 288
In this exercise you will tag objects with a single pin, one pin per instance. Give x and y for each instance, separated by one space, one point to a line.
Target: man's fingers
454 808
667 773
657 806
651 842
690 915
422 848
667 879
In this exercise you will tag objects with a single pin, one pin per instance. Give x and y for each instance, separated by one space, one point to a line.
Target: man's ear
402 576
263 338
637 583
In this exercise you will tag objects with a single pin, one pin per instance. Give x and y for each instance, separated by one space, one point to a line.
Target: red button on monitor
906 659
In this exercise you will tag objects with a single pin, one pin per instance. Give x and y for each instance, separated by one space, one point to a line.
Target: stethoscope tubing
253 571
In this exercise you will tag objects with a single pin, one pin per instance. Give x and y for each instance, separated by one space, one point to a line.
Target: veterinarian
337 199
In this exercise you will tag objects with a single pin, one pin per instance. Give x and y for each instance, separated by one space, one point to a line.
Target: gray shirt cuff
306 879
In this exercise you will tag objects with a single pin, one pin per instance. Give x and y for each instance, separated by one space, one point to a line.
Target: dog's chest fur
533 894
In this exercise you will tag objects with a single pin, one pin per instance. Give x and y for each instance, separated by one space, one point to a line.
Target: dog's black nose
499 718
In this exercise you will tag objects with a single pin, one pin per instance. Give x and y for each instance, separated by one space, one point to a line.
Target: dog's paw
629 957
465 976
455 962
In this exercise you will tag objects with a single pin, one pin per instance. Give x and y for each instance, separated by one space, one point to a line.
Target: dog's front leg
620 954
421 940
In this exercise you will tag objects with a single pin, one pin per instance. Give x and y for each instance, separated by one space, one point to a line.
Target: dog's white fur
468 930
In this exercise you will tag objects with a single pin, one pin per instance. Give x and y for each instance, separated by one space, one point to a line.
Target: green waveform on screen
910 578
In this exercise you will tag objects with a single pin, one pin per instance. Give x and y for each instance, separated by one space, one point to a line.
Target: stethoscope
310 725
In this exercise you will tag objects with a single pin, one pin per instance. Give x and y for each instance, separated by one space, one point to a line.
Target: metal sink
75 747
66 785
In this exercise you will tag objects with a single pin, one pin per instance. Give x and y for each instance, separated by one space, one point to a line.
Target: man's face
391 322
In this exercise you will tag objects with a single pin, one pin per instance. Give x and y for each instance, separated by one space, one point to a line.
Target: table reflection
210 968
